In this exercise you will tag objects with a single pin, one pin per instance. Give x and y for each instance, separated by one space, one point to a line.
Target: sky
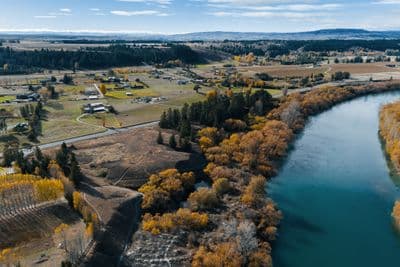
178 16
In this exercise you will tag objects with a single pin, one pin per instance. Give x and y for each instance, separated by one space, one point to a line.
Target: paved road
91 136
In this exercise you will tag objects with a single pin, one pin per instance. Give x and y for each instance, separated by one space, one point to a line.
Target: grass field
6 98
61 123
144 113
72 89
282 71
56 130
103 119
363 68
121 94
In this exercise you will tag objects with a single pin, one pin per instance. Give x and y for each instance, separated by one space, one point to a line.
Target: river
336 192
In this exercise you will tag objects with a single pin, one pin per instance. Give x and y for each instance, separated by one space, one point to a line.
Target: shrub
225 254
233 125
164 187
255 191
203 199
221 186
260 258
156 200
167 222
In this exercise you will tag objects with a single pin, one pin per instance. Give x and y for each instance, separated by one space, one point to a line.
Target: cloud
138 13
96 12
45 17
267 14
61 12
387 2
255 2
270 8
295 7
160 2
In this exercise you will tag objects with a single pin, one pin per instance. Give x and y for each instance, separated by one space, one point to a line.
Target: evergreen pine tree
185 128
160 139
62 158
172 141
176 118
170 119
41 161
164 123
237 106
185 112
75 171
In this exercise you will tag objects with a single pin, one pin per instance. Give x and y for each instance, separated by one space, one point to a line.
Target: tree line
216 109
284 47
16 61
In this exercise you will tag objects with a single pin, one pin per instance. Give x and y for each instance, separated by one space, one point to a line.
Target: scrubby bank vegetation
243 153
396 214
390 131
389 126
19 62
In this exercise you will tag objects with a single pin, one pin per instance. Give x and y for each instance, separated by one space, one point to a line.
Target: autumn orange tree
182 218
88 214
224 254
164 188
257 150
254 191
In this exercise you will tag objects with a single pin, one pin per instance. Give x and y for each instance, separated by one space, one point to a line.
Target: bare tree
291 113
246 237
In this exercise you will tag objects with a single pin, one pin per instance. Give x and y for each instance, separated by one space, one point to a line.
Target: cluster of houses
158 74
149 100
30 97
91 93
123 84
91 108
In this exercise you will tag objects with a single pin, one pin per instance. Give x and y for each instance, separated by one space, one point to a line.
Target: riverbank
255 152
389 126
244 220
335 189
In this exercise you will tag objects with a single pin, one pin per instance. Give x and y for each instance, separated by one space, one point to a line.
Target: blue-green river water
336 192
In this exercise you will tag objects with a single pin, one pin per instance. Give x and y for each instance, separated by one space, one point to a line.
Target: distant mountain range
344 34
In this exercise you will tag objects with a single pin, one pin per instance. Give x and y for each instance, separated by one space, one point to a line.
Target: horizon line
104 32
